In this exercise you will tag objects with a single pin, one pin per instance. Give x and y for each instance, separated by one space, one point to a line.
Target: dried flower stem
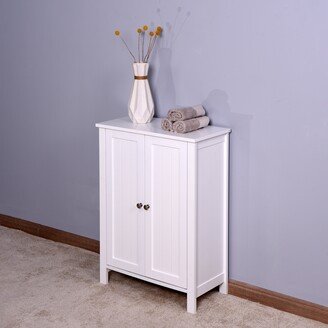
148 48
134 58
139 47
151 47
143 46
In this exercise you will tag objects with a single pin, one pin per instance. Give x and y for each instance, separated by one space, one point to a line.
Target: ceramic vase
141 105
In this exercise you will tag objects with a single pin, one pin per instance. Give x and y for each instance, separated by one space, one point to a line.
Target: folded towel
182 114
167 124
190 125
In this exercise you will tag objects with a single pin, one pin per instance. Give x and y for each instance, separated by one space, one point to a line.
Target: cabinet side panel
210 214
102 205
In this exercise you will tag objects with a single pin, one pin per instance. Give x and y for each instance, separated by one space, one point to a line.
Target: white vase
141 105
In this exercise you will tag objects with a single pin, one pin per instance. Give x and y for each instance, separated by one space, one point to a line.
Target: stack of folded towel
183 120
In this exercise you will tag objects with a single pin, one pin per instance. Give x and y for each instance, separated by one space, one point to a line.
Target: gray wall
260 67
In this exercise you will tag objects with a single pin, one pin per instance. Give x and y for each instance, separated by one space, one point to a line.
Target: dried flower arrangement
152 37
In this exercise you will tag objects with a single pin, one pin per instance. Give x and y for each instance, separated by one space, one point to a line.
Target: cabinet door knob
139 205
146 207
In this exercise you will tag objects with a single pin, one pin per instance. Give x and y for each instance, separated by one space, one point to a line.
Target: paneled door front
125 190
166 218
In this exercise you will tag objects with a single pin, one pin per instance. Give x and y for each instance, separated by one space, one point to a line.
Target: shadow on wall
167 97
218 109
164 82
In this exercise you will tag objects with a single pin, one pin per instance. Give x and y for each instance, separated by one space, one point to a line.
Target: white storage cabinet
164 206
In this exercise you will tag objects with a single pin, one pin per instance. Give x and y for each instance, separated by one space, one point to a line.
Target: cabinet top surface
154 129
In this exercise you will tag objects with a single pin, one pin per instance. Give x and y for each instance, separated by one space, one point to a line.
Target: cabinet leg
224 288
104 276
191 303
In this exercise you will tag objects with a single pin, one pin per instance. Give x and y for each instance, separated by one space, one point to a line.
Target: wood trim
50 233
279 301
252 293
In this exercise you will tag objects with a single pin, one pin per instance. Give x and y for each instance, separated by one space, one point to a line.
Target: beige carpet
48 284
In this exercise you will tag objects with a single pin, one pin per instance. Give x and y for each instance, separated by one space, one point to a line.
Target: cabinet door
125 189
166 218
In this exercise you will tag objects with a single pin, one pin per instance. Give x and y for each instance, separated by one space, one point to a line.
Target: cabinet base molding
279 301
210 284
153 281
240 289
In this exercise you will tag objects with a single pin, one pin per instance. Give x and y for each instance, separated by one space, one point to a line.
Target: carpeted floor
48 284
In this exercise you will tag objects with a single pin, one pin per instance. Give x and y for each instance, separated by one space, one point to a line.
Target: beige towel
182 114
190 125
167 125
